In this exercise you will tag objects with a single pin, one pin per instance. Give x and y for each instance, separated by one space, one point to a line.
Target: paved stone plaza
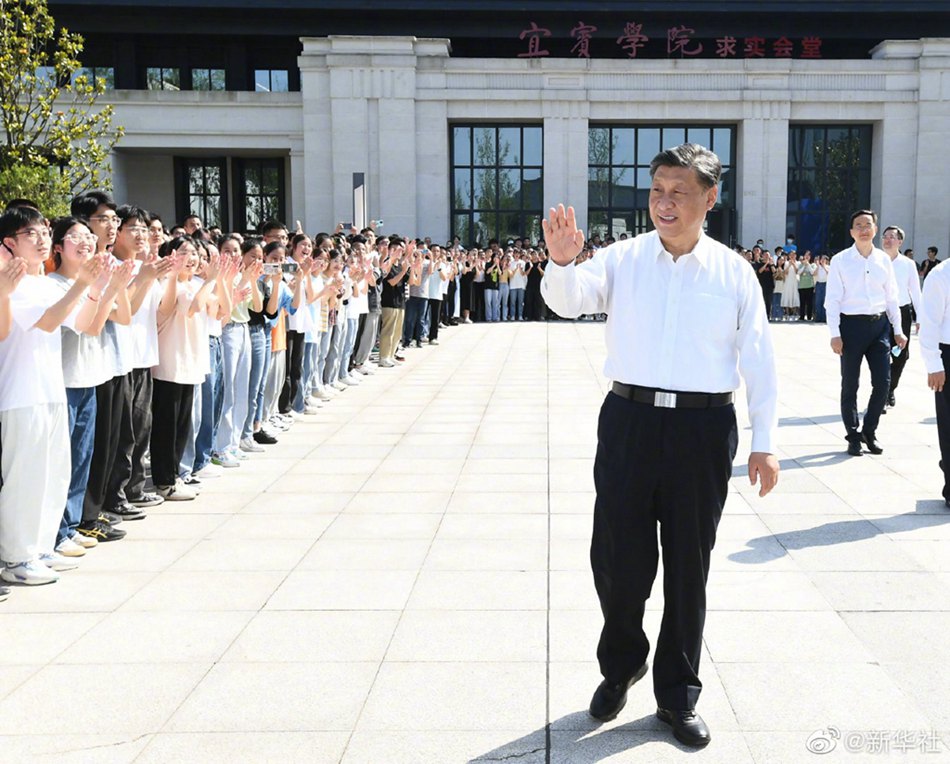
404 578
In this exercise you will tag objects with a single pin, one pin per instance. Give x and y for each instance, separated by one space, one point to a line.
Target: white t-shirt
359 305
182 341
517 280
31 362
302 320
434 285
144 327
84 358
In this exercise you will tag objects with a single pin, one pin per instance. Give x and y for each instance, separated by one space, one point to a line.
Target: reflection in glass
622 145
462 145
700 135
648 144
509 189
485 154
533 138
462 193
531 188
672 137
509 146
722 144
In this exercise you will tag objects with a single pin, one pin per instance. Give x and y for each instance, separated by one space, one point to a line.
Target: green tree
56 142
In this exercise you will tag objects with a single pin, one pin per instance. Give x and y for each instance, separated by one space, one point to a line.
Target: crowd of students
137 362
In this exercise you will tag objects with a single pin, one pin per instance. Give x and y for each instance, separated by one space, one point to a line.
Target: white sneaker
339 385
238 454
248 445
352 380
32 572
225 460
433 342
69 548
321 394
312 401
310 410
209 471
278 424
467 321
57 562
364 370
86 542
387 364
177 492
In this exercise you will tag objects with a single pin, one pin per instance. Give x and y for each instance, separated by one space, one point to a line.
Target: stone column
763 172
565 155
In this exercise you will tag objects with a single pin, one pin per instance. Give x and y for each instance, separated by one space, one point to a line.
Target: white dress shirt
692 324
861 286
934 317
908 281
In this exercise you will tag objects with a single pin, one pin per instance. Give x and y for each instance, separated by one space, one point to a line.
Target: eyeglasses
80 238
108 219
863 226
35 234
137 229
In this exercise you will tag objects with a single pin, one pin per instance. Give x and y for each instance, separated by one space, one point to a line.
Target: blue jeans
820 315
323 352
255 386
267 361
212 399
81 407
236 362
310 350
491 305
331 370
776 304
516 304
349 343
503 291
415 311
190 453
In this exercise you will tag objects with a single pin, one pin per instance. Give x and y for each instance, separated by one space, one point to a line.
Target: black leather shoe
609 699
854 448
873 446
891 401
688 726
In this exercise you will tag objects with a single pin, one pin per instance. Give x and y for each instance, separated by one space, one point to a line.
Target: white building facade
398 110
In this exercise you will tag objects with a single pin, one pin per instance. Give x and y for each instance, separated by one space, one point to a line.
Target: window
207 79
618 184
45 75
497 181
201 186
271 81
158 78
829 176
258 192
103 74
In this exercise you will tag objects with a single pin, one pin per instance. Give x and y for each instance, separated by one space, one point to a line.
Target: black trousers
435 311
128 473
806 300
898 364
666 466
171 421
869 340
767 294
295 351
478 301
942 401
113 398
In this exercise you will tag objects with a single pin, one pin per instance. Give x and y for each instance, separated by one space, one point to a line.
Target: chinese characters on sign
681 42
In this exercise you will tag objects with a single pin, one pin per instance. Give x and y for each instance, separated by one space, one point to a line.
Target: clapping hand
564 240
89 271
11 275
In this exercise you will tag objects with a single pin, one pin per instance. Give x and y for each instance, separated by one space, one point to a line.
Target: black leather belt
671 400
862 317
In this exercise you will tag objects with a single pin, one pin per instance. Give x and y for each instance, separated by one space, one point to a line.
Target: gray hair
704 162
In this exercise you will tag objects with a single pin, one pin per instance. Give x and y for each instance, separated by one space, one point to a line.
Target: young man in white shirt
33 410
685 313
934 335
861 305
908 299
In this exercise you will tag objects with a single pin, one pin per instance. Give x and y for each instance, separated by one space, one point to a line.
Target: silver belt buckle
664 400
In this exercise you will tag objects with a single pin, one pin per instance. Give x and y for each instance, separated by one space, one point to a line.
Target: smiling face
863 230
678 207
78 245
192 261
31 242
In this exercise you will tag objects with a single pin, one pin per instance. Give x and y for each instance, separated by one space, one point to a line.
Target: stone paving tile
405 578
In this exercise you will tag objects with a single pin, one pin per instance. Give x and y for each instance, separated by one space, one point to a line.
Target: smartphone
289 267
271 268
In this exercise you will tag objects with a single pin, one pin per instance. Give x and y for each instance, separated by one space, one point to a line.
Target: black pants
666 466
128 474
113 398
295 351
871 340
806 299
898 364
478 301
767 294
942 401
435 311
171 413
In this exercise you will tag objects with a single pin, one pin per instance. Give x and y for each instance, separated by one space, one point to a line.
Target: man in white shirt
934 335
908 299
685 314
860 300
